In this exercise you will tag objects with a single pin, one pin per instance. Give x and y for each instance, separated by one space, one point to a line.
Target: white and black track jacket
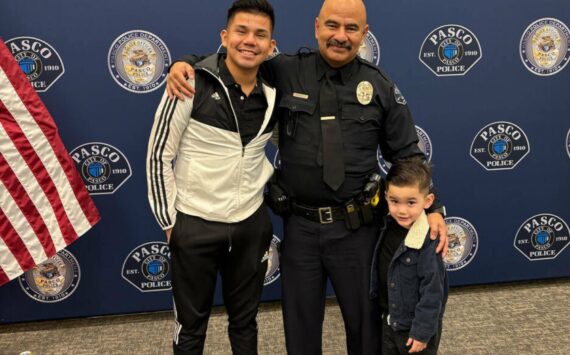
214 176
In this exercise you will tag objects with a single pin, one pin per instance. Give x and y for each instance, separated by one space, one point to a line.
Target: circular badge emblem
103 167
542 236
272 257
424 144
450 50
53 280
138 61
38 60
500 146
545 46
370 49
463 242
147 267
364 92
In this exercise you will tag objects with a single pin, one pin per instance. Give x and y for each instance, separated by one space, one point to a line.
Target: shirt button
393 305
392 285
241 97
395 324
361 118
408 260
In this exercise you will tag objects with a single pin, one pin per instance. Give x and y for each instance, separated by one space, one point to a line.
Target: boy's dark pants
394 342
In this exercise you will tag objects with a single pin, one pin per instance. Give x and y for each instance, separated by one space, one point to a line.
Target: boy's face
247 40
406 203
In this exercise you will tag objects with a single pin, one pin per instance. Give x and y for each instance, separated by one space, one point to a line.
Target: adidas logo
216 96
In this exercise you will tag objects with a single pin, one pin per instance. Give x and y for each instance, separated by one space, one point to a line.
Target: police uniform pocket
296 112
360 129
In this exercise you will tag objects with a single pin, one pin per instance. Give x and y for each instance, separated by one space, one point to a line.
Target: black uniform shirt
384 121
249 110
392 239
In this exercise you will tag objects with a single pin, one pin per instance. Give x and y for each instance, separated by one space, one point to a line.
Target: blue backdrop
485 81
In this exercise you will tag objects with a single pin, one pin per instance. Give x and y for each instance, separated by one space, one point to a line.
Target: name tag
301 96
327 118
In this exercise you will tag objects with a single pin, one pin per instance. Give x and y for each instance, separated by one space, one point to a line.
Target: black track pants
199 250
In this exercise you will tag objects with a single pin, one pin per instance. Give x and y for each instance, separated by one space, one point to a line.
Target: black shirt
392 239
249 110
384 121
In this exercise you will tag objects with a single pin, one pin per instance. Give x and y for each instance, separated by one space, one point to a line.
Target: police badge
364 92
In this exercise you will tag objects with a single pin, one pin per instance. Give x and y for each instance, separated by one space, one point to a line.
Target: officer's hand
168 233
176 81
438 227
417 345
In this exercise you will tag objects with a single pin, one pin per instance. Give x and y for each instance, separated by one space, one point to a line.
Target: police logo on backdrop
138 61
450 50
272 257
462 241
500 146
545 46
53 280
38 60
103 167
424 144
147 267
543 236
370 49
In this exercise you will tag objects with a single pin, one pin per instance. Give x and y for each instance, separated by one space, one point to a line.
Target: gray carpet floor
517 318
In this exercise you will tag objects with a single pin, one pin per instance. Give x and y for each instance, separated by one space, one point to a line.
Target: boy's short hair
262 7
410 172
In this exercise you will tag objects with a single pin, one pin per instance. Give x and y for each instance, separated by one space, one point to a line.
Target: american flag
44 205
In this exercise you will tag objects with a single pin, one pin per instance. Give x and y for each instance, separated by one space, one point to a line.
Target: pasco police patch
462 241
543 236
272 257
424 144
545 46
450 50
38 60
138 61
370 49
103 167
500 146
53 280
147 267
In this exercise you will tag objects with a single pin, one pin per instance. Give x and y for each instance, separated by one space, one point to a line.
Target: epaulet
305 50
375 68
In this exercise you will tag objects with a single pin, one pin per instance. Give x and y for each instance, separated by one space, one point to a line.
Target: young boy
407 274
210 205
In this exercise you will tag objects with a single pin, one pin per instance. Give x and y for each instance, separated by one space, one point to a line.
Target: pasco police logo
500 146
543 236
370 49
147 267
450 50
462 241
424 144
545 46
38 60
138 60
103 167
53 280
272 257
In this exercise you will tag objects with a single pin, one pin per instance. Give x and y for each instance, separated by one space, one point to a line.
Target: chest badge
364 92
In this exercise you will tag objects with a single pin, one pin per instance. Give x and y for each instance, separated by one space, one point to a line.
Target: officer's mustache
343 44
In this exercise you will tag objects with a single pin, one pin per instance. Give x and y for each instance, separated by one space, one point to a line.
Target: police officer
334 110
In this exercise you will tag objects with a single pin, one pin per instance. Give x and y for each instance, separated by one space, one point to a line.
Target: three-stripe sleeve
170 121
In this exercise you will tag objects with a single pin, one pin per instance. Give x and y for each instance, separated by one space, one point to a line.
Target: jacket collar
417 234
215 64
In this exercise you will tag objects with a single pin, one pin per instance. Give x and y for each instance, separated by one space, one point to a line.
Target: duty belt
323 215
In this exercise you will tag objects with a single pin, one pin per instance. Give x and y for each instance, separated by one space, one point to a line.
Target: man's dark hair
410 172
262 7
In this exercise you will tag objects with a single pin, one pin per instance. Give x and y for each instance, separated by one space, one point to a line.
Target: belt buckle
325 215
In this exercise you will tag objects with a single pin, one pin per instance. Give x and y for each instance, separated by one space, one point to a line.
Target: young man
406 273
211 203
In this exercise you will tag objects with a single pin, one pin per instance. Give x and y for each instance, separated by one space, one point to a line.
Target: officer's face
406 203
340 30
248 41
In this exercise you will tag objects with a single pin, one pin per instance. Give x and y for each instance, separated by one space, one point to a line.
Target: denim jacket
417 282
